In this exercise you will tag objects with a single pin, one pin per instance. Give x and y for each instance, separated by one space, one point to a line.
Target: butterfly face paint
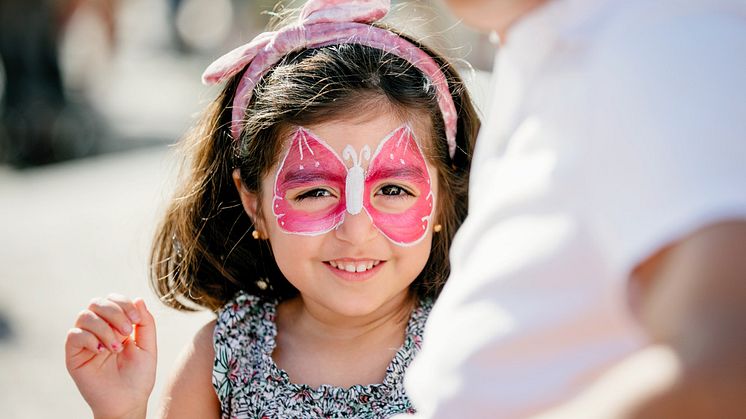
314 187
310 167
399 162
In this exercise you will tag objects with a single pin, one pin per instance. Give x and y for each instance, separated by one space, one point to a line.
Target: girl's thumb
145 337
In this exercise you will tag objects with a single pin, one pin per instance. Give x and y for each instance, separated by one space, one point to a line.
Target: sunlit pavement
70 232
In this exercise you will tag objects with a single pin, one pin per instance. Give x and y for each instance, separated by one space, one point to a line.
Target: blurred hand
710 388
113 367
655 383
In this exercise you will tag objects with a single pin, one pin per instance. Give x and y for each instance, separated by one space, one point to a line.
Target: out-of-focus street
81 228
69 233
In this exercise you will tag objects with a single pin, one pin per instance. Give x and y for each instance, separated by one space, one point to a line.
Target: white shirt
617 127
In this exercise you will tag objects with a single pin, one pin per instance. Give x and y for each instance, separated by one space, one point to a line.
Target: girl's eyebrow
407 172
305 176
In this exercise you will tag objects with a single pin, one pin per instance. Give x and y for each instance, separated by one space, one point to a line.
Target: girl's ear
249 200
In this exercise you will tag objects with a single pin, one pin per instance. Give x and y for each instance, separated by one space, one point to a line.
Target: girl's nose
356 228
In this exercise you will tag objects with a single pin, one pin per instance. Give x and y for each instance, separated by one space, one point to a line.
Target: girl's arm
113 367
189 393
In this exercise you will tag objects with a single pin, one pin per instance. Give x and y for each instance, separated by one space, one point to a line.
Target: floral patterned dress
250 385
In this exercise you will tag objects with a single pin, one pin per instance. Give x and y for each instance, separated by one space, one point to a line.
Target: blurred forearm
694 301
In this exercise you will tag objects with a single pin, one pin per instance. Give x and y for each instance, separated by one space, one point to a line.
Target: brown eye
314 193
393 190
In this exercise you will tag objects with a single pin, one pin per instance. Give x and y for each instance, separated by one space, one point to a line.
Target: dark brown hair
202 254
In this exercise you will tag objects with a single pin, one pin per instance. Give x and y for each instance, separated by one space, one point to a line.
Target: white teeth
352 267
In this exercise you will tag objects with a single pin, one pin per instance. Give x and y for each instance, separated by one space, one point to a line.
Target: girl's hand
113 367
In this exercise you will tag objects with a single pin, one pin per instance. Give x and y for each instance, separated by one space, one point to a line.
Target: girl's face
349 211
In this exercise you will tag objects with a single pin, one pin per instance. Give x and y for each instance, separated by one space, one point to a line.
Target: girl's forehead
362 131
354 142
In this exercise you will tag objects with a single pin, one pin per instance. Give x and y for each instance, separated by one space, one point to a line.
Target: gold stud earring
437 228
256 234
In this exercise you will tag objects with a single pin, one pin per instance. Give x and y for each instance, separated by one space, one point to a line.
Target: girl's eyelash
313 193
324 193
405 191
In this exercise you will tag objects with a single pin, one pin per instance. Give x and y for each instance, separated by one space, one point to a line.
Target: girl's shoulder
423 308
416 326
243 319
243 337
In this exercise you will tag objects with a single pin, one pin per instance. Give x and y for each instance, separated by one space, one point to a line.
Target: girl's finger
145 336
81 347
127 306
100 328
112 313
79 339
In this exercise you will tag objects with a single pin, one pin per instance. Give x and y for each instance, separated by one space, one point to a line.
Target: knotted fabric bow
323 23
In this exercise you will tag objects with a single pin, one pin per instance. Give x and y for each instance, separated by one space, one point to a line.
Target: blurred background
93 94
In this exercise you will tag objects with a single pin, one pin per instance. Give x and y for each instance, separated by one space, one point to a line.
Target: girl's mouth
353 265
354 270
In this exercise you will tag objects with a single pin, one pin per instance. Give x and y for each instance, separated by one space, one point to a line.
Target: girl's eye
314 193
394 190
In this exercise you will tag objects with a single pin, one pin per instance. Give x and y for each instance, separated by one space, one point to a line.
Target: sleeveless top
250 385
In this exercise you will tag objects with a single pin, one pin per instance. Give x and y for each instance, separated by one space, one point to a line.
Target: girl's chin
362 305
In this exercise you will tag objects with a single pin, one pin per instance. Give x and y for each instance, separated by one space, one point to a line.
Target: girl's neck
315 346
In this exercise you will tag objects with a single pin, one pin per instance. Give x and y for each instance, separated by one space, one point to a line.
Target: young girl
325 186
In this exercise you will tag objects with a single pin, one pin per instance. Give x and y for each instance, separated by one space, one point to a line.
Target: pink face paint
399 160
310 163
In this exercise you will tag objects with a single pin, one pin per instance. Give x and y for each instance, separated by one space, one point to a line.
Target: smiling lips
354 266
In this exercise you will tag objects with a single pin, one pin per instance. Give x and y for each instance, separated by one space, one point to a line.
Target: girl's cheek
314 205
393 204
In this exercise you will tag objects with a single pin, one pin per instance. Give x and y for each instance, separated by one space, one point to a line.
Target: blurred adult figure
607 217
33 89
38 122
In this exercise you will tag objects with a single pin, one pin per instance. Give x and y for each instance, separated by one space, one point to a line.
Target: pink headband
323 23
